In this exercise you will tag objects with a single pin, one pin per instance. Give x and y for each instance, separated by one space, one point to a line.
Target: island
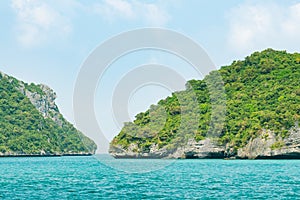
258 117
31 124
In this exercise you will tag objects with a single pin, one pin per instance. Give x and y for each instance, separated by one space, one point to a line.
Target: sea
102 177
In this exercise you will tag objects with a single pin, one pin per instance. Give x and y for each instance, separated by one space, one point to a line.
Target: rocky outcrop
265 146
207 148
203 149
133 152
44 102
268 145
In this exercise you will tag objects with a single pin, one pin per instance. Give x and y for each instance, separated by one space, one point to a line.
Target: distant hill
30 122
262 98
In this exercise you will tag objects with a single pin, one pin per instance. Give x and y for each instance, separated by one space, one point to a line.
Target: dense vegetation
261 92
23 129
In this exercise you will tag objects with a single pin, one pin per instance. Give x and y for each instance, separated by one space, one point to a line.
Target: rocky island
262 95
31 124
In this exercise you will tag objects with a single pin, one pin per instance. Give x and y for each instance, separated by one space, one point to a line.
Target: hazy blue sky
47 41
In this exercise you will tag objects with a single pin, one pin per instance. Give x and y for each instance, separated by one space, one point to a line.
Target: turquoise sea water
88 178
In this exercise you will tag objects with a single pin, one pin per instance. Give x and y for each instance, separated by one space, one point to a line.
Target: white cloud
155 15
258 26
122 7
149 13
38 22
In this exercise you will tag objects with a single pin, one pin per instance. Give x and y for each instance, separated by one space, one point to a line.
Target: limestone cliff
265 146
268 145
203 149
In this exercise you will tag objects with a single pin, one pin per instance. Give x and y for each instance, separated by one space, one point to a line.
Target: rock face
45 103
270 146
133 152
266 146
203 149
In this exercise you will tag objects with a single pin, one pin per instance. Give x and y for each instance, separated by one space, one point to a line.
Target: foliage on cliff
24 130
262 92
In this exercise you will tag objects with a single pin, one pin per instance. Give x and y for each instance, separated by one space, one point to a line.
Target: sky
48 41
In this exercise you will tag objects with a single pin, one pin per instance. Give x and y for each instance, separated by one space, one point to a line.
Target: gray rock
207 148
44 103
268 145
134 152
203 149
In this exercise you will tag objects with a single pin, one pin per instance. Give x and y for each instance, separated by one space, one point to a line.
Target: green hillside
24 130
261 92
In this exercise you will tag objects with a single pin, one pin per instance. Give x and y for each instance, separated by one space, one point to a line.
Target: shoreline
49 155
277 157
229 159
150 158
